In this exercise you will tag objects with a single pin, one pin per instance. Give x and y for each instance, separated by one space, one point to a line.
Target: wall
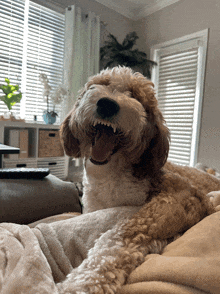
117 24
182 18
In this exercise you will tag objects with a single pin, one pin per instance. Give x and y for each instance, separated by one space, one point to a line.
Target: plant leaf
130 40
113 53
4 89
113 42
10 97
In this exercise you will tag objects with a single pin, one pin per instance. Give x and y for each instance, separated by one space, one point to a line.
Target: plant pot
8 116
49 118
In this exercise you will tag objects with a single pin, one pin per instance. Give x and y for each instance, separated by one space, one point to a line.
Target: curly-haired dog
117 128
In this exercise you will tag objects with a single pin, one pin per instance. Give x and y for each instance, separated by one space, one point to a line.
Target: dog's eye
92 87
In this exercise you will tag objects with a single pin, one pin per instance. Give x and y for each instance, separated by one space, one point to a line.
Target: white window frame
201 39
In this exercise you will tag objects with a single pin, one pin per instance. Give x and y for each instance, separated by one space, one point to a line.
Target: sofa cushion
24 200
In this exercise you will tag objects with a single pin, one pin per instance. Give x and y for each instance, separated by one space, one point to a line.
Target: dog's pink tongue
103 147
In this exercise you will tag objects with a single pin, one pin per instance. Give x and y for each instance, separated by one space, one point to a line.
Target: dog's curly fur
125 154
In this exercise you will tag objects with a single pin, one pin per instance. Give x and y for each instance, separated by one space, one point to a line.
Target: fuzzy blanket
34 260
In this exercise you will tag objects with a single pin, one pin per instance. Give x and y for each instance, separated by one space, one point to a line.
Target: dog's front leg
99 273
167 215
108 265
120 250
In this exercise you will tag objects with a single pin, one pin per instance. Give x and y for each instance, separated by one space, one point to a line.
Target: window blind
44 52
11 45
176 99
179 79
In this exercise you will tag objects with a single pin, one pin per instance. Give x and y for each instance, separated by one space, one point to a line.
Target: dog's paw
92 283
214 197
64 289
67 288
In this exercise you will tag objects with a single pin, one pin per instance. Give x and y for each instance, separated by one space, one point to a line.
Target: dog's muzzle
105 138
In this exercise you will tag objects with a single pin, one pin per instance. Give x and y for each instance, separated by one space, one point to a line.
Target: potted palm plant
113 53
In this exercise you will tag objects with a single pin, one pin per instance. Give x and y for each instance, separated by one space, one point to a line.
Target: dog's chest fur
111 185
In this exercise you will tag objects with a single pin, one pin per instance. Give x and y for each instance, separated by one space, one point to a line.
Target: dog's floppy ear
159 145
69 142
156 136
155 155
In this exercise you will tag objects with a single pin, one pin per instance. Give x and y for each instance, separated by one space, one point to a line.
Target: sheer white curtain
82 37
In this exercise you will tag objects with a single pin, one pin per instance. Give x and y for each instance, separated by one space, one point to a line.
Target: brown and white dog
117 127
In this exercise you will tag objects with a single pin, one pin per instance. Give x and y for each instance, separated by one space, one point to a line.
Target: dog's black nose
107 107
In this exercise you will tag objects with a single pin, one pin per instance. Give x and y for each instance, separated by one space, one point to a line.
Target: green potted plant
113 53
10 98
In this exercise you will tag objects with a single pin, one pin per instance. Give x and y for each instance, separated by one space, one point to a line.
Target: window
179 79
32 43
11 44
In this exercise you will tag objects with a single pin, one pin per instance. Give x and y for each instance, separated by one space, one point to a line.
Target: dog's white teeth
105 124
108 124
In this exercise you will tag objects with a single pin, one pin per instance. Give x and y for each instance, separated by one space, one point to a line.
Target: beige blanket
33 260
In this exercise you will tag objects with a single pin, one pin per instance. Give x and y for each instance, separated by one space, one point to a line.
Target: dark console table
4 149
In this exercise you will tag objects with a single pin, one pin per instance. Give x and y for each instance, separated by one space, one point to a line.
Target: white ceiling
136 9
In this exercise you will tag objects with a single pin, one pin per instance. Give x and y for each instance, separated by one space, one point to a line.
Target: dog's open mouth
104 144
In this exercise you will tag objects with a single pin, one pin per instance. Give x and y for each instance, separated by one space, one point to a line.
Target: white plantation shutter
176 98
30 44
11 45
179 84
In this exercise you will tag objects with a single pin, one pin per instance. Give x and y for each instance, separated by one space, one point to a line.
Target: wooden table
4 149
